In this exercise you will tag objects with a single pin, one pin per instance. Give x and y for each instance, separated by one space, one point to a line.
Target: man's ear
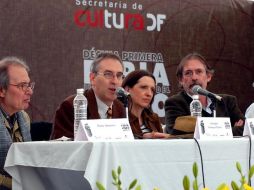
2 92
209 77
92 77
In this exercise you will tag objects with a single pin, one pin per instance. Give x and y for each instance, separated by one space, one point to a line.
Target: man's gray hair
4 65
96 62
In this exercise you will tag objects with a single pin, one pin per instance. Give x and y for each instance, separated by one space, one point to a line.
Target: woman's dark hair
132 78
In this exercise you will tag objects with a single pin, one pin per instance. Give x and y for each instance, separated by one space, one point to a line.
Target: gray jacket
5 138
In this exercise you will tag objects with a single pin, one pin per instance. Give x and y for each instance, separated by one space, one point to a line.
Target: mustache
194 85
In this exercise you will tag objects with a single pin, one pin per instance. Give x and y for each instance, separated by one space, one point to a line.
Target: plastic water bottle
80 109
196 106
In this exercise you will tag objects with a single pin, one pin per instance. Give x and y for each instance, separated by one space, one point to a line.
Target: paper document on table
249 127
104 129
213 128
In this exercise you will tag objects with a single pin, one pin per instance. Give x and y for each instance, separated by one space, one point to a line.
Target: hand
155 135
239 123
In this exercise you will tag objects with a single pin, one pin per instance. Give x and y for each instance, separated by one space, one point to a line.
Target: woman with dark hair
144 122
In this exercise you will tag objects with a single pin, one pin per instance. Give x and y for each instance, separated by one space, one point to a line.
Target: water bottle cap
195 97
80 91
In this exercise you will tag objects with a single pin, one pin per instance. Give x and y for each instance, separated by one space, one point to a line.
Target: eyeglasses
111 75
189 73
24 85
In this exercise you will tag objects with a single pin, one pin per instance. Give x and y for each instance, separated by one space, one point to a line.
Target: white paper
212 128
104 130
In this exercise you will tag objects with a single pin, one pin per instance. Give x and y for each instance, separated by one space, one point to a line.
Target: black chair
41 131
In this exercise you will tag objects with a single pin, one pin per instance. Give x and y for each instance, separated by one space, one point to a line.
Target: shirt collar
11 119
102 108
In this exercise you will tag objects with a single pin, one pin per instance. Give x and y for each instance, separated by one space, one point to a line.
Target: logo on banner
114 19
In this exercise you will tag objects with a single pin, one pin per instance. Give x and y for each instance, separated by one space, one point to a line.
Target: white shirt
102 108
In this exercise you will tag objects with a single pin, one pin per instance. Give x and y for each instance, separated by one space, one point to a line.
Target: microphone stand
125 103
125 100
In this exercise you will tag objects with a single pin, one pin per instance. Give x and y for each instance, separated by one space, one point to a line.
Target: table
155 163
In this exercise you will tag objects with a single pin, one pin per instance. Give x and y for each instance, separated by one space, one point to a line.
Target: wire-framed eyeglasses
111 75
24 85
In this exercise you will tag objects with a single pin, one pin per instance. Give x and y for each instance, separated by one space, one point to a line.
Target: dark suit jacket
179 105
64 117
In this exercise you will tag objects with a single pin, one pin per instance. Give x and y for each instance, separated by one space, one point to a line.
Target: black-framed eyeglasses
111 75
24 85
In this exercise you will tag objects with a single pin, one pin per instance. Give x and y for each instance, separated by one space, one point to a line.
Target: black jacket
179 105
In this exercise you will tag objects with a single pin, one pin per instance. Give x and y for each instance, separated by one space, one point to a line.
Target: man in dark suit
194 70
16 90
105 76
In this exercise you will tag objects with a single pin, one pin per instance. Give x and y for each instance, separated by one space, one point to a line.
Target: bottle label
196 108
80 111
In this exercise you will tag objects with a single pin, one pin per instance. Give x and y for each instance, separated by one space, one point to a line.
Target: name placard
213 128
249 127
104 130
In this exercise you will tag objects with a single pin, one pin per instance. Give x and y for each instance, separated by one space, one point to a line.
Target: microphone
122 95
199 90
120 92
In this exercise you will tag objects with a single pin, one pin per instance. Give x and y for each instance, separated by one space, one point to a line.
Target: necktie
109 113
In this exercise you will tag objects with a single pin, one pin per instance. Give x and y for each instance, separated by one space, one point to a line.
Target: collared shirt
208 108
11 119
102 108
12 126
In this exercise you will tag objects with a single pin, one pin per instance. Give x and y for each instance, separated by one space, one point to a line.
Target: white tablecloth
155 163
